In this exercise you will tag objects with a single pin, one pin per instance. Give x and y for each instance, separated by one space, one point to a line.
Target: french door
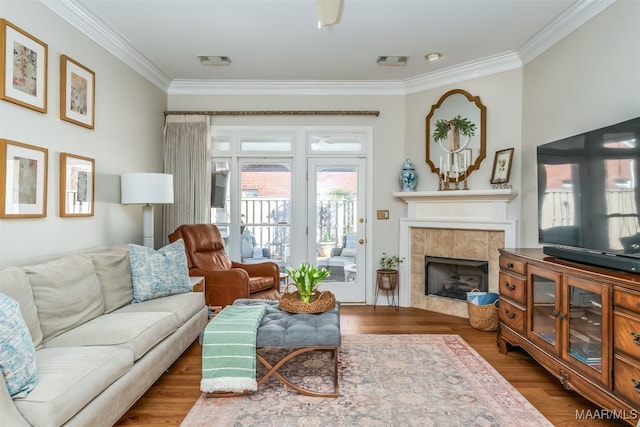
336 224
294 194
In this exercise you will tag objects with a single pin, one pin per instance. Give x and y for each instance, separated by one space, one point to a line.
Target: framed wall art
23 186
77 93
76 185
502 166
23 68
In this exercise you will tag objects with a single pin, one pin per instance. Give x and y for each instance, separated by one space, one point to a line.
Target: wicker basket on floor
321 301
483 317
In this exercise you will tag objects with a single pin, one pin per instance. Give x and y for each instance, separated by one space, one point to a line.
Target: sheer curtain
187 156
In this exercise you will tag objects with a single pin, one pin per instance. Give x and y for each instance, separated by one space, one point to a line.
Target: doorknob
361 220
361 241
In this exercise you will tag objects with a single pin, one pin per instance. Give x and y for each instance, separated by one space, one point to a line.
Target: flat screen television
589 197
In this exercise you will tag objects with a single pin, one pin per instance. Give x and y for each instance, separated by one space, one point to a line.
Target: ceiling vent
393 61
215 60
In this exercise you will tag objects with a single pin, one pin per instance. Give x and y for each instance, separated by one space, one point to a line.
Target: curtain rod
275 113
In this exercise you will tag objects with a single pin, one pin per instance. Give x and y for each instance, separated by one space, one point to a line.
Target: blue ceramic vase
408 178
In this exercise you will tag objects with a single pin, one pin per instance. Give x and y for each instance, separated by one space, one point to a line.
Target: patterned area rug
385 380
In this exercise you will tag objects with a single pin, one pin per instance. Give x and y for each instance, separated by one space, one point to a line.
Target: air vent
215 60
393 61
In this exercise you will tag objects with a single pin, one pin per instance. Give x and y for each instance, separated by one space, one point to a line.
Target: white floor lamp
146 189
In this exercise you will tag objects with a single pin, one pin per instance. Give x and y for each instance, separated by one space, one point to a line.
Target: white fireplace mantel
478 204
458 210
451 195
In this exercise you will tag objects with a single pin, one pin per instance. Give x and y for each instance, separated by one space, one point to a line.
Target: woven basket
483 317
320 302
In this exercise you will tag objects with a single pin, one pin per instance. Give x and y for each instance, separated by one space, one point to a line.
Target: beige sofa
96 351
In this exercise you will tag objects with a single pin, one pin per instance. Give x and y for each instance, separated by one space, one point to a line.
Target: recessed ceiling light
432 56
392 60
214 60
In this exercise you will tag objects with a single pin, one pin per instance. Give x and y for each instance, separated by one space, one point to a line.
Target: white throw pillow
17 353
159 273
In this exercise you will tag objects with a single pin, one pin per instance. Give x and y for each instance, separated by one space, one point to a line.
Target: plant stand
387 281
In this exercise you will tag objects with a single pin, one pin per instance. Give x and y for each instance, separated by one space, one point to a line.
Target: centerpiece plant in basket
306 278
307 299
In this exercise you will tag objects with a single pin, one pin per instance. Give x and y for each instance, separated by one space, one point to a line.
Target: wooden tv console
581 323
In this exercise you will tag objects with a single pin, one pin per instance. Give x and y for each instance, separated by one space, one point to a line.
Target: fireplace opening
454 277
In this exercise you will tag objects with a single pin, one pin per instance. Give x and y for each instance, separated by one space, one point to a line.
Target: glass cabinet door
544 326
585 326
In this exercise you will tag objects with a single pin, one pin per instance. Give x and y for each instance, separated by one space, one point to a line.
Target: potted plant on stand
387 276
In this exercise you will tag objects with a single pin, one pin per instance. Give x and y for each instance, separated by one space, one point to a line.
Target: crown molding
471 70
96 30
282 87
565 24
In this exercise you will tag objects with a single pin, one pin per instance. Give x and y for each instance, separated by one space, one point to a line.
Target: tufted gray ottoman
301 333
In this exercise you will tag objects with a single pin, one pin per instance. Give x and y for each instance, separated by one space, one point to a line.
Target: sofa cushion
67 293
17 353
138 332
114 272
159 273
348 252
15 284
183 306
69 378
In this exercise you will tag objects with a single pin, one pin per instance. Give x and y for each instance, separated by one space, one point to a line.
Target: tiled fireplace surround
467 224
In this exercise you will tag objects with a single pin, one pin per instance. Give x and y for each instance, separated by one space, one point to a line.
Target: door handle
361 241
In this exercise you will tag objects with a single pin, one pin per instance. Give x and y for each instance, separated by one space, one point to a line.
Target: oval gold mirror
464 154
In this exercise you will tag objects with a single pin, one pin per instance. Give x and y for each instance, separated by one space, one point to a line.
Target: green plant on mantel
462 124
390 262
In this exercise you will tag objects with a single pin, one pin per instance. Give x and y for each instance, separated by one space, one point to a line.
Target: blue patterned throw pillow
159 273
17 353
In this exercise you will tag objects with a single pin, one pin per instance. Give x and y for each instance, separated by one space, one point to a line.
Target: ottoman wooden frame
273 370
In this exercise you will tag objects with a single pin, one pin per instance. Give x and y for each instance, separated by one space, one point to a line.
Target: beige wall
127 138
588 80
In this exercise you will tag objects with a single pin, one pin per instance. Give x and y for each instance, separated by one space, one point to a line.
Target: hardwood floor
173 395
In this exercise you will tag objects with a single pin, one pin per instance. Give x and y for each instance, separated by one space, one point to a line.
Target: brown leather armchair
225 280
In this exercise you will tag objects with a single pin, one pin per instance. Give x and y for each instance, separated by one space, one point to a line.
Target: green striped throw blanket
229 350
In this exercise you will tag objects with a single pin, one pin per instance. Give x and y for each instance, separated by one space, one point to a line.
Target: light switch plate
383 214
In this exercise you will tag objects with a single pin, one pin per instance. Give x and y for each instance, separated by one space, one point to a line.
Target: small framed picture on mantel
502 166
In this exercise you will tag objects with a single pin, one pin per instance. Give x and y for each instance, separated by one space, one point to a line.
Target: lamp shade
146 188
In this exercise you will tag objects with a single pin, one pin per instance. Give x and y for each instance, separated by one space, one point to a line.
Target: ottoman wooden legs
273 370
